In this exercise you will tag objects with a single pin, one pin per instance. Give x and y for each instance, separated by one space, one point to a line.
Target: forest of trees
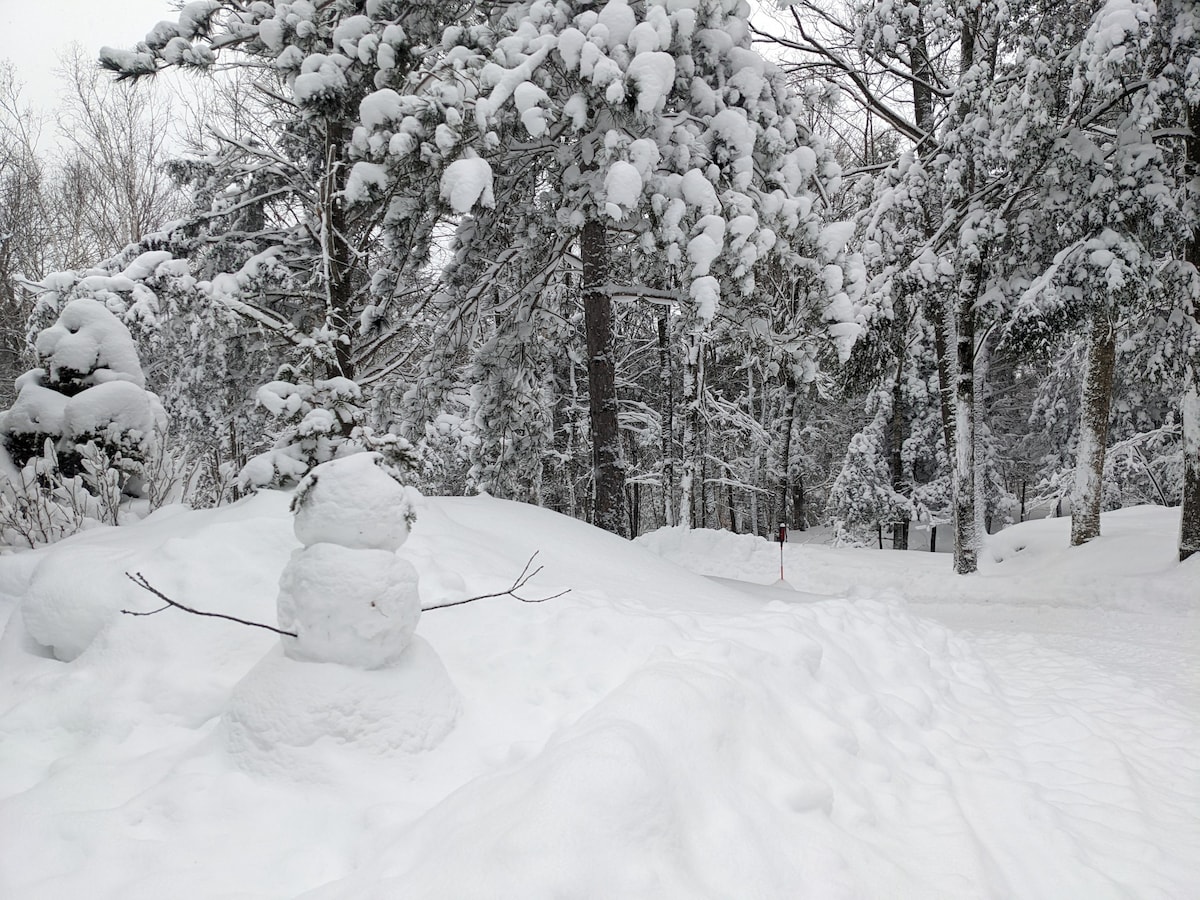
645 262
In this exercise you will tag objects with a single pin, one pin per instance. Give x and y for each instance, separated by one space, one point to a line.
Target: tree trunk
1189 524
708 490
1189 521
608 472
980 371
896 439
687 475
634 491
785 451
799 504
335 252
1093 431
966 537
668 419
756 470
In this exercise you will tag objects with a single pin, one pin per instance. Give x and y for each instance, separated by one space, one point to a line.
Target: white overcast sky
33 33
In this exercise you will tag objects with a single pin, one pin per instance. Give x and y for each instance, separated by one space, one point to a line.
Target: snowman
354 682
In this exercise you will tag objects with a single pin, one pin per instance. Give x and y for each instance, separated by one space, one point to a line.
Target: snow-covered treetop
658 117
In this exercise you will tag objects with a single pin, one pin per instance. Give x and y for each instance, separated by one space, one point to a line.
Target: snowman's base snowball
295 718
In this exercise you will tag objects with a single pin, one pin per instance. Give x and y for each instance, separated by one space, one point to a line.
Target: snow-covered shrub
322 421
81 421
38 505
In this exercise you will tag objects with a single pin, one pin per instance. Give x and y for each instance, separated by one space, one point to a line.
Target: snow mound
292 718
185 554
65 613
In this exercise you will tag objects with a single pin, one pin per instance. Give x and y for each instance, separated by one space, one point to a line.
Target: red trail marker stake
782 541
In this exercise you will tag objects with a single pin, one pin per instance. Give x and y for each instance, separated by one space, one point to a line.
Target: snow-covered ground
885 730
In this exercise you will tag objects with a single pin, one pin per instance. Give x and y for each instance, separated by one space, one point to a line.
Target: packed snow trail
651 734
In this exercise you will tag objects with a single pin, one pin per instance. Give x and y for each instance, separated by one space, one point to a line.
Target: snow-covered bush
82 421
38 505
322 421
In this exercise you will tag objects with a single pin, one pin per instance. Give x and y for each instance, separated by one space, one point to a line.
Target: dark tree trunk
668 419
896 438
785 452
691 400
634 491
1093 431
608 471
799 503
338 272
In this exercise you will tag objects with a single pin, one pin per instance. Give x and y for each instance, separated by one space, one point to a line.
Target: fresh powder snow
674 726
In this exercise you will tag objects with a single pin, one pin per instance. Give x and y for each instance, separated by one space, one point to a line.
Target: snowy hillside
652 733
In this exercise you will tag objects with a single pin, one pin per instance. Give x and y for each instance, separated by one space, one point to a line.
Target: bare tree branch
140 580
523 579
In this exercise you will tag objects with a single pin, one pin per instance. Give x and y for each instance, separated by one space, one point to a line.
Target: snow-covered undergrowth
653 733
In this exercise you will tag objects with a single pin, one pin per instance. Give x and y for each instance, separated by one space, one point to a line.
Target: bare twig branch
523 579
140 580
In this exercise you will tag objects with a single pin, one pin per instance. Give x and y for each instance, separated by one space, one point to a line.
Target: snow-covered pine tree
285 230
1105 212
863 494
